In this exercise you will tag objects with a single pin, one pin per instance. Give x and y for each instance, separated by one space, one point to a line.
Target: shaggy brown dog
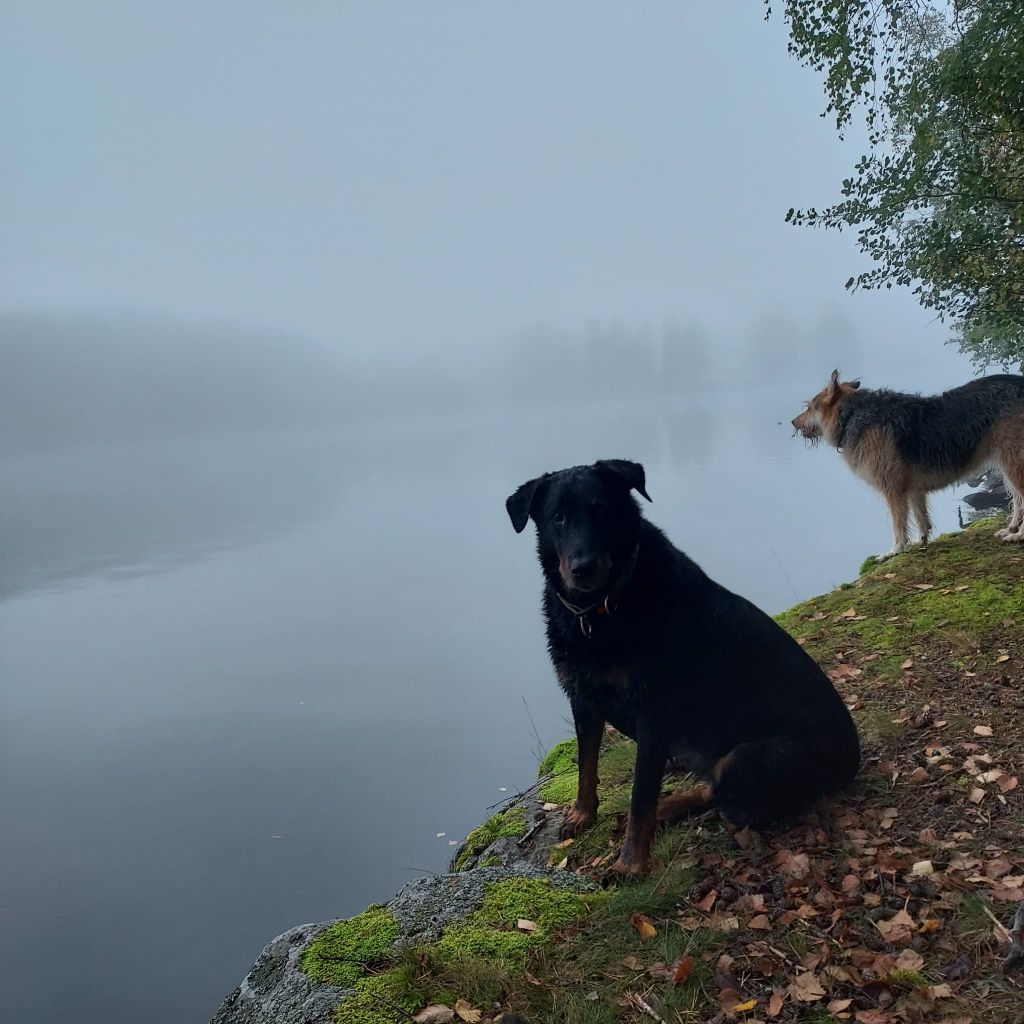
906 446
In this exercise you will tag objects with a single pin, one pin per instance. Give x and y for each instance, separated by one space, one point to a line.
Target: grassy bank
880 908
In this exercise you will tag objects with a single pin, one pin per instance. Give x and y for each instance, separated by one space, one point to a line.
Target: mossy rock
343 953
511 822
361 955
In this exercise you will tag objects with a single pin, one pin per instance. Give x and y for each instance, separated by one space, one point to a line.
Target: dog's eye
558 519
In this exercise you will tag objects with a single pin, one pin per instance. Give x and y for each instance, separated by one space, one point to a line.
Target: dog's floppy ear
632 473
519 504
833 387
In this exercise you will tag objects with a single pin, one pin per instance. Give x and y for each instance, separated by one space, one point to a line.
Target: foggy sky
421 180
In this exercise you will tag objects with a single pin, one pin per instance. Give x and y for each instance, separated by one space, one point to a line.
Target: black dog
640 637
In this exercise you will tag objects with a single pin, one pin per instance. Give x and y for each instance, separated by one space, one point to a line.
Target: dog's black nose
582 567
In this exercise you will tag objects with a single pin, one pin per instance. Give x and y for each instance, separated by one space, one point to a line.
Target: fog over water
291 298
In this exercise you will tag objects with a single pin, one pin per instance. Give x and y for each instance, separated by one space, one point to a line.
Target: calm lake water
246 680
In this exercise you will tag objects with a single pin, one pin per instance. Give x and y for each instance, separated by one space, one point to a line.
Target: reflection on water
246 682
129 509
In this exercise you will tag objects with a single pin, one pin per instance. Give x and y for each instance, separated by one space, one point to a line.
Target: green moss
476 942
510 822
956 592
377 997
493 861
471 958
907 979
490 933
476 959
534 899
341 954
869 563
560 764
560 758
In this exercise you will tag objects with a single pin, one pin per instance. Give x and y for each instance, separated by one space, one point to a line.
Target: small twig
1003 930
518 796
1016 937
392 1006
641 1004
542 781
534 829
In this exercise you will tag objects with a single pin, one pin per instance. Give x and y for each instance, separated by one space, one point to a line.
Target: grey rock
427 906
276 991
523 854
993 493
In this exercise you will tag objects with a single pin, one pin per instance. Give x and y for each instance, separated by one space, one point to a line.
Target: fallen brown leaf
909 960
526 926
983 730
643 925
806 988
898 929
684 968
775 1003
960 968
872 1017
728 998
760 923
464 1011
841 672
795 865
436 1014
708 902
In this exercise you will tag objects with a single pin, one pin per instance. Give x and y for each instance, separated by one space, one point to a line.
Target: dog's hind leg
1013 474
677 806
919 502
899 508
769 781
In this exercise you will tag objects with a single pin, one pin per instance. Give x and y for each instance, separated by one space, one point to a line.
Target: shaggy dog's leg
919 501
1013 474
899 509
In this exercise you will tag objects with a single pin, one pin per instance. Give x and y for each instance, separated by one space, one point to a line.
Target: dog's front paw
628 868
1009 537
1002 533
896 549
577 820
